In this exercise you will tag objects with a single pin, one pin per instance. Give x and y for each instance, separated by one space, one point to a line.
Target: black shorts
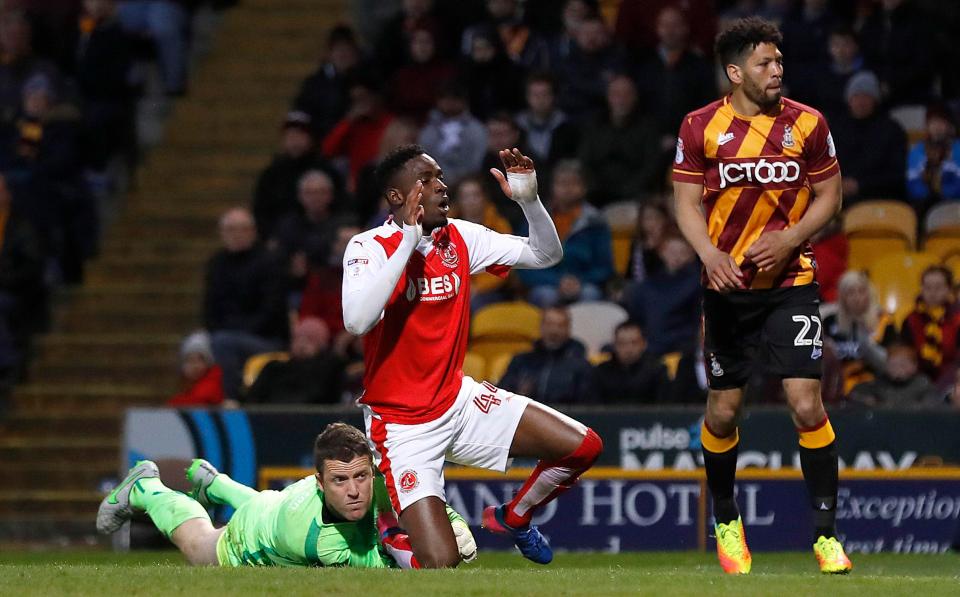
778 328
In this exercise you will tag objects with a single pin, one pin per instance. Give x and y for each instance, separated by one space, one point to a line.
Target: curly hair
743 36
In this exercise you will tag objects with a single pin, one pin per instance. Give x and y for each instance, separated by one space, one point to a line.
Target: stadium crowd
71 75
593 91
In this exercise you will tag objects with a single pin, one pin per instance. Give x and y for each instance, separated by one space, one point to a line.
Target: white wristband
523 186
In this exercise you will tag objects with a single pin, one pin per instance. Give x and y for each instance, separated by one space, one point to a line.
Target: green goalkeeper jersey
290 528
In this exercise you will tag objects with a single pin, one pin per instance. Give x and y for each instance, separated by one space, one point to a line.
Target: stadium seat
671 361
474 365
897 280
256 363
489 349
943 216
622 217
879 227
621 253
515 320
498 366
593 323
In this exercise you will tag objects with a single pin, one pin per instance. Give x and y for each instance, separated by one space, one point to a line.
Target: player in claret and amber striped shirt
406 289
755 175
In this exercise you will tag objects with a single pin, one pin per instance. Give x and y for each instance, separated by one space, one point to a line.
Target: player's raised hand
771 251
723 273
520 182
411 212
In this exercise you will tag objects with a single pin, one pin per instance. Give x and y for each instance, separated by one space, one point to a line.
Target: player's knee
434 557
808 412
592 448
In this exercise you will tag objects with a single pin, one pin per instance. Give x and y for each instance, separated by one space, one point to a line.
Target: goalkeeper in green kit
339 517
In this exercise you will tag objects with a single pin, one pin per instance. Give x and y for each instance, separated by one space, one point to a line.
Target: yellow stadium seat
256 363
515 320
882 219
474 365
622 217
897 280
490 349
621 253
943 243
671 361
498 367
864 250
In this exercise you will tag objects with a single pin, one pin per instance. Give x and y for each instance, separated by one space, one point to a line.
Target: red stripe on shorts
378 433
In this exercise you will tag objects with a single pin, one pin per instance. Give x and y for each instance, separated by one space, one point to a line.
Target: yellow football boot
831 557
732 548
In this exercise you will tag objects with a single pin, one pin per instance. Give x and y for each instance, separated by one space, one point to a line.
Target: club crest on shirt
787 136
448 254
408 481
678 159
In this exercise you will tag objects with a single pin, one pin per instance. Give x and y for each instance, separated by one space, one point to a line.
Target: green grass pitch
790 574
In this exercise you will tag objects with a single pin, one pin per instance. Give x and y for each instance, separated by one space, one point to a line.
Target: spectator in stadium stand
523 45
503 131
244 298
654 226
493 82
471 202
276 189
323 95
872 174
933 164
424 65
102 67
313 375
200 377
857 333
556 371
355 139
633 373
368 203
23 295
667 302
19 63
165 23
673 79
593 61
41 150
825 90
321 294
303 237
549 134
898 43
900 385
636 23
806 29
587 255
453 135
620 148
831 249
390 47
572 13
932 329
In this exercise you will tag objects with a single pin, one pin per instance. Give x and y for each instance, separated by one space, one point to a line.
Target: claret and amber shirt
756 174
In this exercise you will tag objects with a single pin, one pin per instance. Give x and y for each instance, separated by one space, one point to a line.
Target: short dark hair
342 442
627 325
743 35
542 76
394 162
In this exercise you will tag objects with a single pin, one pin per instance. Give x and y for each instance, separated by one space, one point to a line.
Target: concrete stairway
115 340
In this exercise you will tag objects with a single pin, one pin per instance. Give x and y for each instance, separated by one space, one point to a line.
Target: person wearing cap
871 145
933 165
201 378
277 188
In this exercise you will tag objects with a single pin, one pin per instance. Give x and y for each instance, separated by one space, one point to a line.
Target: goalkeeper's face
347 486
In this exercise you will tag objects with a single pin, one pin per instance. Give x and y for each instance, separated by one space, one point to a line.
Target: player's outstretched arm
722 270
366 288
543 247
